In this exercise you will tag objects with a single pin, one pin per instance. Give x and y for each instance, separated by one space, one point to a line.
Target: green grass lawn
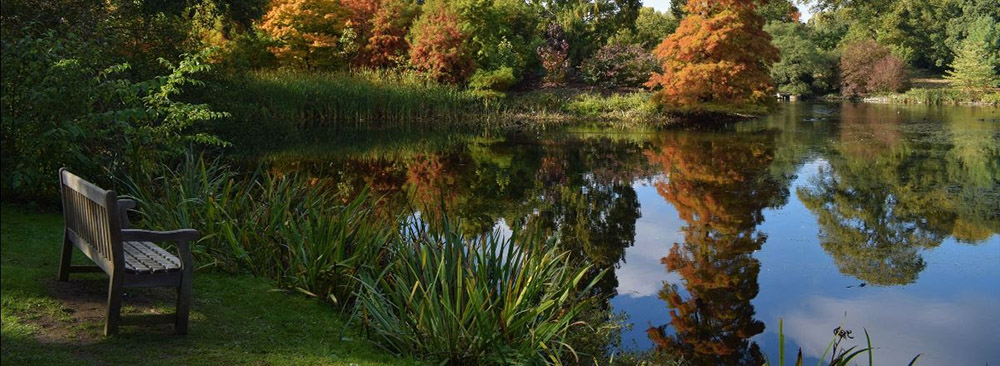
235 319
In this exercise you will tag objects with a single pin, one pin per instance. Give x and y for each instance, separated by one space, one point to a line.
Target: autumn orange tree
438 44
310 33
719 58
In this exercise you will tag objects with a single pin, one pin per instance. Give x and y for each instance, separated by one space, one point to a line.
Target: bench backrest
92 221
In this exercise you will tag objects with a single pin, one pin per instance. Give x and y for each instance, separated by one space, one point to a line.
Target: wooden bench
97 224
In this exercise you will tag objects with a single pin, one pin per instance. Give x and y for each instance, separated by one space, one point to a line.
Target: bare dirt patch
83 305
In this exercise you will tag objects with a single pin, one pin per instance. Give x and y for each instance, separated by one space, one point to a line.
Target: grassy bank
235 319
939 96
269 107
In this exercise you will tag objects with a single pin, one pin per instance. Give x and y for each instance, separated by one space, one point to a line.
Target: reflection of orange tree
719 186
434 180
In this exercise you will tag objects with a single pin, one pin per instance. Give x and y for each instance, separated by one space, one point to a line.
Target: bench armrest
160 236
124 204
181 237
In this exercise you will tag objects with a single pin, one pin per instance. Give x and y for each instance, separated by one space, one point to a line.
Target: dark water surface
885 218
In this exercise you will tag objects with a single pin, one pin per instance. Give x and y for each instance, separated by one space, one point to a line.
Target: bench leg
183 302
67 254
115 292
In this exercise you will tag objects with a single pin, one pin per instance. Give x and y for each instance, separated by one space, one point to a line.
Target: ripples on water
888 214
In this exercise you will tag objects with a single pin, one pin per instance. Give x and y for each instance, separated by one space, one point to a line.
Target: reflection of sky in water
951 313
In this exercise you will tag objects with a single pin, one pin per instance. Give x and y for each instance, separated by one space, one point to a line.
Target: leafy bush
59 110
500 32
482 300
618 65
496 80
887 75
554 55
868 67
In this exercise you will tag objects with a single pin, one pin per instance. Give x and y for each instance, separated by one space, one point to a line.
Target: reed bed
361 99
941 96
270 108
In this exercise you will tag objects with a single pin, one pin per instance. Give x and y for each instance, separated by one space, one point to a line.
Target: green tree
778 10
588 24
968 21
804 69
651 27
973 68
502 33
916 30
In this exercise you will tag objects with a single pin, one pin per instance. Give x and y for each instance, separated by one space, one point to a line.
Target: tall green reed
477 300
360 99
280 226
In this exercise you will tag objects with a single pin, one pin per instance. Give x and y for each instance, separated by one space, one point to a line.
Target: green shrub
618 65
495 80
61 109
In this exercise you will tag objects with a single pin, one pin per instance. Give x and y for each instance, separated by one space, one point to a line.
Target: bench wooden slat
143 256
87 189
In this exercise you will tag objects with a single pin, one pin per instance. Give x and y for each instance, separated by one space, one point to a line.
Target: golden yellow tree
310 33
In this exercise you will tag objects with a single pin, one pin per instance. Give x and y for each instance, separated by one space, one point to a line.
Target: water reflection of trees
892 189
719 184
585 198
577 189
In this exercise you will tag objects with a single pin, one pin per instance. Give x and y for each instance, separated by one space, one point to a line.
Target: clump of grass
283 227
476 300
944 96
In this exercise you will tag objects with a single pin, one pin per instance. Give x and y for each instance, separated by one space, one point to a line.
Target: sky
664 5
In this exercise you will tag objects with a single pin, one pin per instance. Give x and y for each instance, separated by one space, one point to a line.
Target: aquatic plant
841 358
474 300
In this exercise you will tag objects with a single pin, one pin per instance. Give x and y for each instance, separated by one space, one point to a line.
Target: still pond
885 218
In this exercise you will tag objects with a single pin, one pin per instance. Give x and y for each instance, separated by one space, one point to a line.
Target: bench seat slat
146 257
